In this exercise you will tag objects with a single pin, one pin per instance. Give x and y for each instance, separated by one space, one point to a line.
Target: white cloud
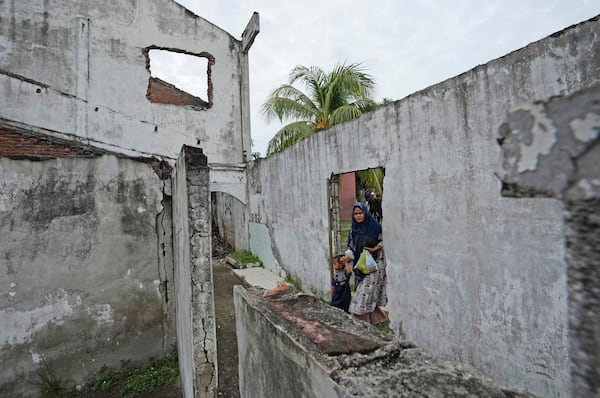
405 45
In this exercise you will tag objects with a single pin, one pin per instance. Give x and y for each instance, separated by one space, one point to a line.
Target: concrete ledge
259 277
292 344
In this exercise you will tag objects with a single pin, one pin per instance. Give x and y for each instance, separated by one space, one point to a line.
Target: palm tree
331 98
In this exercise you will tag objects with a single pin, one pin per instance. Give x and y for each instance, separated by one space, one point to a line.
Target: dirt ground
223 279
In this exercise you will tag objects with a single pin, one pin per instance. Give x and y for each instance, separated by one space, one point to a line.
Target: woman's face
358 214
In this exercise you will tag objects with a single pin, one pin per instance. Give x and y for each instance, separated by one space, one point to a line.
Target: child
340 284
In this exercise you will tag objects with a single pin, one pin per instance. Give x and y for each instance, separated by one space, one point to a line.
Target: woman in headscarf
370 294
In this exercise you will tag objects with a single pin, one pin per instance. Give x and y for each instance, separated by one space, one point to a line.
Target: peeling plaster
588 187
586 129
35 357
544 136
19 327
102 313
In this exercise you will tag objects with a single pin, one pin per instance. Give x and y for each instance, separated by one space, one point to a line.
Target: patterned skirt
370 292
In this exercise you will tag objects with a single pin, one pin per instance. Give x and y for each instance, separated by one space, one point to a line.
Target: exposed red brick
20 145
162 92
330 340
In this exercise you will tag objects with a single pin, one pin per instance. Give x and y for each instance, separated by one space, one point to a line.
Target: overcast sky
405 45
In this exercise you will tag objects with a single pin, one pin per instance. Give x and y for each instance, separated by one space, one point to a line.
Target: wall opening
179 77
344 190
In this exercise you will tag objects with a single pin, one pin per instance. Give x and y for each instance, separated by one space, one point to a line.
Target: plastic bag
366 263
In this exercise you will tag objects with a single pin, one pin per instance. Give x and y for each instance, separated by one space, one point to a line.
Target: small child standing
340 284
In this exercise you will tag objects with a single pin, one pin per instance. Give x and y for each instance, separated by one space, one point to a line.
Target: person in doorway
367 195
371 290
340 283
375 206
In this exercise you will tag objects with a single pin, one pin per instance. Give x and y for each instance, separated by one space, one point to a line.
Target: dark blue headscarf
369 227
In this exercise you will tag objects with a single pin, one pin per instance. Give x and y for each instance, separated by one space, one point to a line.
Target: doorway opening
344 191
360 279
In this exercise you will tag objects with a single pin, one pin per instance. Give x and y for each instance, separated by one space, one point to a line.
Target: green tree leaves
329 99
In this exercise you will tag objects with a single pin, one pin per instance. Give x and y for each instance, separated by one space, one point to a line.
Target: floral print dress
371 291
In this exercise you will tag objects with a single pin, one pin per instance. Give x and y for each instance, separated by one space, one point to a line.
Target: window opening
178 77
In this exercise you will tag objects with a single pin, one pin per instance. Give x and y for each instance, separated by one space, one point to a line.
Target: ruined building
110 180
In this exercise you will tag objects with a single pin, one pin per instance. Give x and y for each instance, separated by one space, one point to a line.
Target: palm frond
288 103
289 135
343 114
371 178
330 98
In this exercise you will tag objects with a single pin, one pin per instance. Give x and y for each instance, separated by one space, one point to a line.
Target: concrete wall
551 149
472 276
229 217
294 345
90 78
79 267
196 334
86 250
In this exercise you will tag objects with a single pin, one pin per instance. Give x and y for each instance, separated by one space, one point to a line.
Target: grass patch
132 382
246 256
48 384
296 282
384 327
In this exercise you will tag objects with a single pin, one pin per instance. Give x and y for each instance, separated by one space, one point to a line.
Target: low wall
296 346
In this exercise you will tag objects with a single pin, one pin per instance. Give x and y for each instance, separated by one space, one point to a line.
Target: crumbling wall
79 263
552 149
91 76
472 275
196 333
292 344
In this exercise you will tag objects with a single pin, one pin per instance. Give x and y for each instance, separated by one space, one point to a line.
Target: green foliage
296 282
246 256
135 381
103 380
345 230
371 178
330 98
49 384
384 327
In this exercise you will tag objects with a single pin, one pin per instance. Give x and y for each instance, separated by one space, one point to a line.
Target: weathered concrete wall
75 83
552 149
473 276
196 334
79 267
294 345
90 77
229 216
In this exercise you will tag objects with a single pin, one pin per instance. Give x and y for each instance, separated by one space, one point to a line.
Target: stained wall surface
86 262
81 285
472 275
551 149
91 77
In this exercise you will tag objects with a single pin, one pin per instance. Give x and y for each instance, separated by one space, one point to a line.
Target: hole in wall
344 191
178 77
367 290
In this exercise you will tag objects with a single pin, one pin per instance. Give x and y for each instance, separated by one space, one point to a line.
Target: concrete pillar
82 73
196 334
552 149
